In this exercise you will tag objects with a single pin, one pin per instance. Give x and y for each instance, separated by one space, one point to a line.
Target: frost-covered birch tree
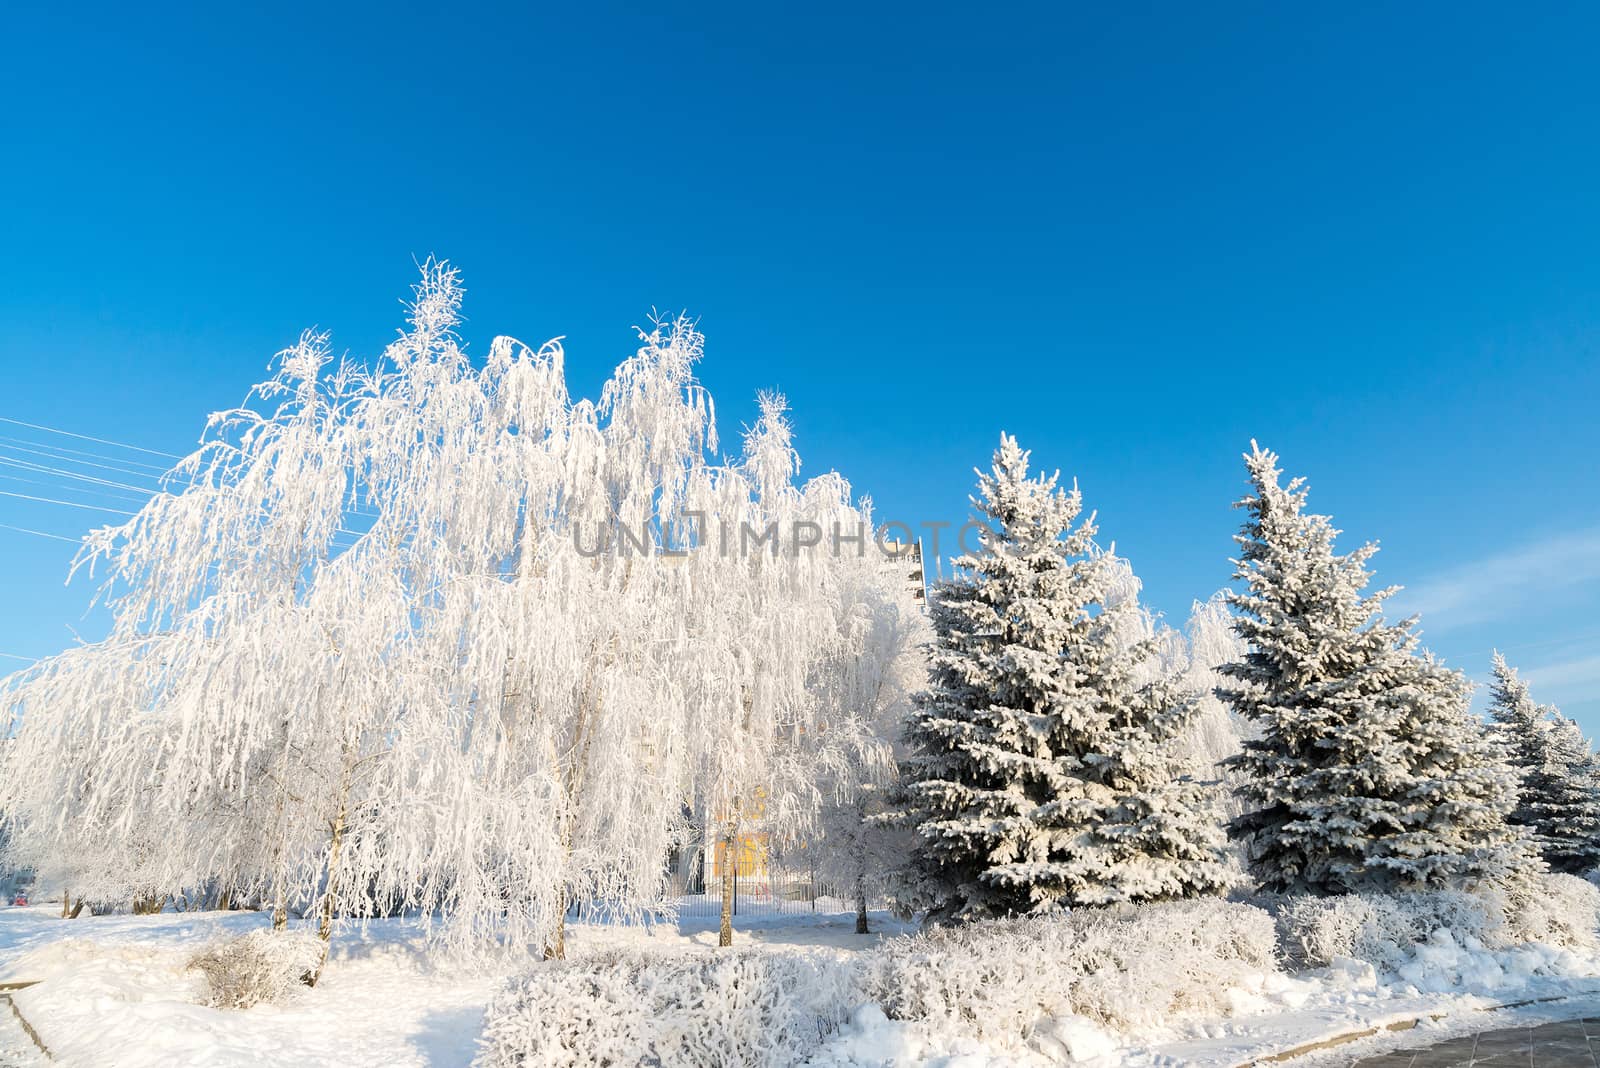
1215 733
873 669
1189 660
159 735
766 564
557 755
367 652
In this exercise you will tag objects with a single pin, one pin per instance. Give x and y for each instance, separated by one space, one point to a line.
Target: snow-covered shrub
1556 909
992 980
1369 927
734 1007
998 981
1388 930
1474 917
1382 929
260 966
1147 964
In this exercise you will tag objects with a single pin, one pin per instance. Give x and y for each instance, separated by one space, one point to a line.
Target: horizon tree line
359 662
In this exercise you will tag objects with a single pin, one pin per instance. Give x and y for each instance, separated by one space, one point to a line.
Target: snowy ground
114 991
1286 1015
16 1048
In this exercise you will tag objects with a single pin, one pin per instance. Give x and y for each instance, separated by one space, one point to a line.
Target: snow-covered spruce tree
1042 772
1520 722
1558 794
1368 772
1572 809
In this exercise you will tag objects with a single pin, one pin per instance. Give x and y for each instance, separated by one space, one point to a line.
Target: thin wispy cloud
1577 674
1497 586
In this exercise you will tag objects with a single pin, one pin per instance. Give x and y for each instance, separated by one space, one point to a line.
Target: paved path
1569 1044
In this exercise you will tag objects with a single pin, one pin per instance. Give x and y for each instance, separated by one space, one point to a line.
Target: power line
41 533
86 437
145 491
340 530
37 446
44 469
50 486
70 504
118 465
117 468
30 481
57 485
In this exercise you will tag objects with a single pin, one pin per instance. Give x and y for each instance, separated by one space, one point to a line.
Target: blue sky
1135 238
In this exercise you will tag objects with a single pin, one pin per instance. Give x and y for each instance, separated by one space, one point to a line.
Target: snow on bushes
1005 981
1061 985
734 1007
1388 930
1381 929
1556 909
261 966
1054 984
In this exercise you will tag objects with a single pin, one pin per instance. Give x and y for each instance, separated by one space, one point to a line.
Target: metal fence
771 891
766 893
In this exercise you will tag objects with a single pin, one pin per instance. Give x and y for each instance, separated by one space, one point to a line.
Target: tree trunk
66 904
77 908
225 900
556 948
149 906
858 852
329 892
729 861
573 777
280 912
